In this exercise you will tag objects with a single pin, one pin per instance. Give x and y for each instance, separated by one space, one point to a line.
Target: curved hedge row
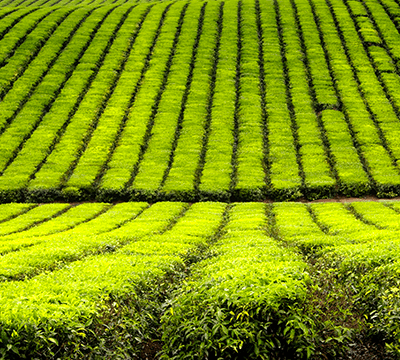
223 101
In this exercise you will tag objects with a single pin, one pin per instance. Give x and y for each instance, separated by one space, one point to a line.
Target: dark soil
150 350
367 351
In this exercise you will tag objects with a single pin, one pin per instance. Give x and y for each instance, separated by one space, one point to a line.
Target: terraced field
199 101
71 275
143 147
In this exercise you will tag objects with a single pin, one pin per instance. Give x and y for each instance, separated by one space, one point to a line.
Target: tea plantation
159 166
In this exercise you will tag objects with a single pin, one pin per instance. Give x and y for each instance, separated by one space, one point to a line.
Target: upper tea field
234 100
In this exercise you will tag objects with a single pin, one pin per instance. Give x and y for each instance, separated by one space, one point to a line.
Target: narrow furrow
359 216
318 179
373 156
7 12
57 252
361 90
185 95
314 102
15 68
294 126
24 127
210 101
92 83
23 89
9 23
32 152
19 232
115 92
165 77
173 100
34 216
248 155
180 183
92 161
90 219
342 223
12 41
263 90
14 210
73 217
380 105
324 228
352 143
283 166
115 217
351 178
216 174
384 59
235 130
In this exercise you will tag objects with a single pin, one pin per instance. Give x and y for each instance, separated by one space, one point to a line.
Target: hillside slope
235 100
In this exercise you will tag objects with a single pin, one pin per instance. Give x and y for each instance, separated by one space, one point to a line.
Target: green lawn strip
242 303
384 64
78 304
37 146
284 170
79 225
115 217
70 219
182 176
156 158
376 159
216 176
32 217
318 180
30 48
108 94
200 222
382 20
93 159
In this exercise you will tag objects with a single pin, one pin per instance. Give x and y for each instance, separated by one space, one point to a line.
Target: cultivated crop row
220 100
243 287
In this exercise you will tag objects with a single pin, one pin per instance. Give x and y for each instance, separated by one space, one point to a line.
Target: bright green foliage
77 258
241 100
220 101
221 310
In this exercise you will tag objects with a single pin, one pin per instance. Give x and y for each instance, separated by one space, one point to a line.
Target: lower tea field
205 280
221 100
